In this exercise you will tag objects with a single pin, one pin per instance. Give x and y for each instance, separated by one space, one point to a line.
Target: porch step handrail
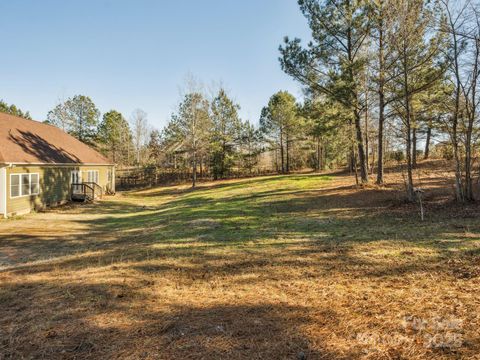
86 190
97 188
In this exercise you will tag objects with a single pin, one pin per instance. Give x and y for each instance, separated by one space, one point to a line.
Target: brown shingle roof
32 142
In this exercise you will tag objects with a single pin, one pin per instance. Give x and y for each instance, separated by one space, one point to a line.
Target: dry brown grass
301 266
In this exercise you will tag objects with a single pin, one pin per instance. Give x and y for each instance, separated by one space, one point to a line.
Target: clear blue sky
128 54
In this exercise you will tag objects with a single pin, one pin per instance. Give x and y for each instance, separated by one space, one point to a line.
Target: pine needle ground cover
288 267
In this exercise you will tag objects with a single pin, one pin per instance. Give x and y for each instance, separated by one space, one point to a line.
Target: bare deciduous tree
462 26
140 131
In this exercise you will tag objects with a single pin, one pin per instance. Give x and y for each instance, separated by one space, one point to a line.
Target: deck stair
85 192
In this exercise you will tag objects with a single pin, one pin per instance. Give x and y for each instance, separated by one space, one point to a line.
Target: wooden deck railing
98 190
88 191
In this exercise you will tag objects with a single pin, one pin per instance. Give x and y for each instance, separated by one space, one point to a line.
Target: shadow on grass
125 328
207 238
319 220
229 184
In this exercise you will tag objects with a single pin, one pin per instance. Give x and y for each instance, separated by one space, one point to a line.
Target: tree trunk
408 125
324 156
427 143
381 102
288 153
468 167
468 186
381 121
281 152
367 150
356 113
372 166
276 160
319 155
355 167
114 153
410 189
472 114
459 194
414 147
361 149
194 169
351 160
222 159
458 173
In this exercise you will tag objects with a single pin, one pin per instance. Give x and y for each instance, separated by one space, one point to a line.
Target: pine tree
13 110
190 126
326 122
115 136
277 122
333 62
78 116
155 146
225 134
415 49
250 146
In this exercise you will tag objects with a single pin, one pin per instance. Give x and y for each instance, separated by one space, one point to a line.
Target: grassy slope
262 268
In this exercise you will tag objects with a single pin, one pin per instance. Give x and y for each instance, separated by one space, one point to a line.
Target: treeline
123 141
207 135
204 135
380 78
13 110
398 72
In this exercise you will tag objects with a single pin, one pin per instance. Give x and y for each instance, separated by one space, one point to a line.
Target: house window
76 177
24 185
92 176
14 185
34 184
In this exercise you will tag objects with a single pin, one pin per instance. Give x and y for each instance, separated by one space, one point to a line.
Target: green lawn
274 267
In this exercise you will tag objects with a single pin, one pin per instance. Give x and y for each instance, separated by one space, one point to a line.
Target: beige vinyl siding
54 184
3 191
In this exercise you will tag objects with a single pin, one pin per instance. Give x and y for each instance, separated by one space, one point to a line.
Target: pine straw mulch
365 280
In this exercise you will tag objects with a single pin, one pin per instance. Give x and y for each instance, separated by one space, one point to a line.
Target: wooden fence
144 177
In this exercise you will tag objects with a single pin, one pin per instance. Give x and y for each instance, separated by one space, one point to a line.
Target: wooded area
393 80
338 222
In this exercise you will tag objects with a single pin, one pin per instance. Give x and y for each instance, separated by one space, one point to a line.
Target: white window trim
79 176
95 177
38 184
20 185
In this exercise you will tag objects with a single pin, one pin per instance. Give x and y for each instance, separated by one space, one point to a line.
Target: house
40 162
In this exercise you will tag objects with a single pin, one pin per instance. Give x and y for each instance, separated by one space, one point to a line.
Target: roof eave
57 164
